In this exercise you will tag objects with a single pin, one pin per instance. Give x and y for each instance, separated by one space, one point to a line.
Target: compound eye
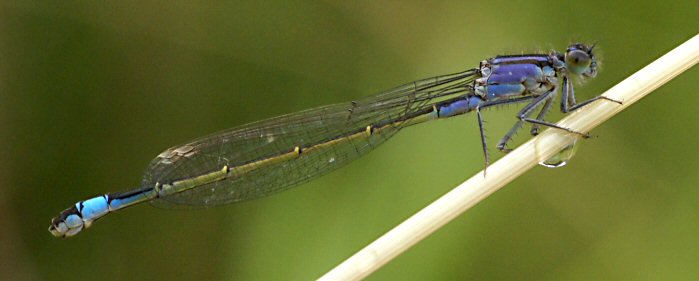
578 61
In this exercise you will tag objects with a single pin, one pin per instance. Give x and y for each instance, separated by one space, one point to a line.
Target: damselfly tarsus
272 155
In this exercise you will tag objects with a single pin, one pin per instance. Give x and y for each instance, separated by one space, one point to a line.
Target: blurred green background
91 91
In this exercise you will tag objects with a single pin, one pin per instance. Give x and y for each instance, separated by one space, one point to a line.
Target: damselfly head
580 60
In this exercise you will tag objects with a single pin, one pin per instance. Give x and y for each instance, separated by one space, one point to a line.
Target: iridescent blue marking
515 73
94 208
505 90
459 107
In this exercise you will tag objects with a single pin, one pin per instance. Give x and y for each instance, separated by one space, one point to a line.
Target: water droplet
561 158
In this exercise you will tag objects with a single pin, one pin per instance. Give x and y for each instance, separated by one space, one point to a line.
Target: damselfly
272 155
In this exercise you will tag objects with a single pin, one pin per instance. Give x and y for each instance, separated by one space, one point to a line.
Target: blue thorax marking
511 76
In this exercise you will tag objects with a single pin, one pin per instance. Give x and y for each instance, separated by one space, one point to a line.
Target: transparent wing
331 130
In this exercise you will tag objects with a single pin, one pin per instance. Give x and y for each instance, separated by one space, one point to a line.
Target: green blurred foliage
91 91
